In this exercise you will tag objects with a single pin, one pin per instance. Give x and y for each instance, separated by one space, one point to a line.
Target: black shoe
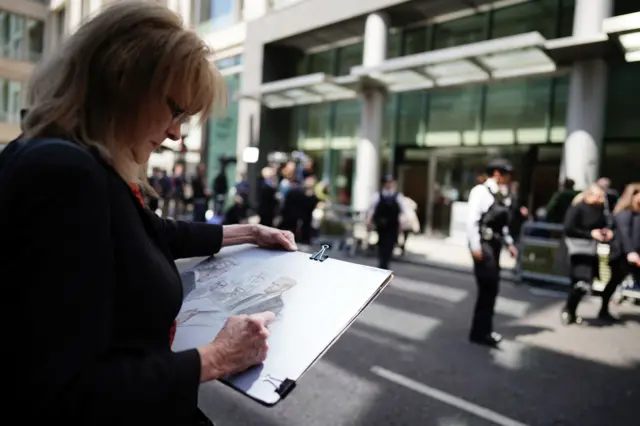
490 340
568 318
606 316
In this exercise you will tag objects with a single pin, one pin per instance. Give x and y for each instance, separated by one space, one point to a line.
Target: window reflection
10 101
218 13
21 38
453 116
516 111
466 30
348 57
537 16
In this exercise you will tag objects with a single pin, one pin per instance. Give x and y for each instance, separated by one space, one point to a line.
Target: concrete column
587 99
367 180
74 15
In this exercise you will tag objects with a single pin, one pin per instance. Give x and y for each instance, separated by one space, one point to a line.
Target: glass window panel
347 122
619 163
12 35
517 111
623 102
453 115
560 104
411 118
466 30
388 123
394 45
229 62
622 7
538 16
223 133
317 121
348 57
36 39
567 9
219 13
10 100
321 62
415 41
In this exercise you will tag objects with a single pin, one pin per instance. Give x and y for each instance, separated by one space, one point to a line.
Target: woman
624 258
88 273
584 222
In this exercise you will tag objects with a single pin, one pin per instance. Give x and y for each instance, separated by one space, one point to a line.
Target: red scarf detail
136 191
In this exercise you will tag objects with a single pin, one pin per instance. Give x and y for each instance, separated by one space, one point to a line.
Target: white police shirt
480 200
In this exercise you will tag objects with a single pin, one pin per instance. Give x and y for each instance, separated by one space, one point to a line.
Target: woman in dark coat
584 226
90 284
624 258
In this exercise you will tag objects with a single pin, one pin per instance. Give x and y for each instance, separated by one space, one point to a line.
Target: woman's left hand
272 238
607 235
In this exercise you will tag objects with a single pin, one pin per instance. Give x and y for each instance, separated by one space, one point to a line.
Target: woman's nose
173 132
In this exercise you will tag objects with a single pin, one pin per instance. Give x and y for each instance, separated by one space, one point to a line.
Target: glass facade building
439 138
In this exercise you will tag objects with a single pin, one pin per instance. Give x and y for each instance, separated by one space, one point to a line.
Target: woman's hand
633 258
596 234
242 343
266 237
607 235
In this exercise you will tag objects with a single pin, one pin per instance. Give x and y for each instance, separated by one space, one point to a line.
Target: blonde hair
626 200
593 189
111 81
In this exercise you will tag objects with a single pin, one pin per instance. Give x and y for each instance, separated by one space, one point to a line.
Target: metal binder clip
283 387
320 256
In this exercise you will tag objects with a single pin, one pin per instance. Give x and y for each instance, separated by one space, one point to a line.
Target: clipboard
320 298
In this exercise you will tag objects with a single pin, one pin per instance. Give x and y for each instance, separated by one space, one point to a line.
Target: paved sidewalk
444 252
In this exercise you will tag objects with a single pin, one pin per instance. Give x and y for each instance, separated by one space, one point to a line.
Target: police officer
384 215
487 230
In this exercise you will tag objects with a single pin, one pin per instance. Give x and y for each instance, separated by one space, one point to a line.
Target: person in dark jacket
201 193
624 258
88 272
584 226
267 198
560 202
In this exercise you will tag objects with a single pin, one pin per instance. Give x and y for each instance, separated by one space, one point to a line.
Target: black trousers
620 268
387 239
583 271
487 273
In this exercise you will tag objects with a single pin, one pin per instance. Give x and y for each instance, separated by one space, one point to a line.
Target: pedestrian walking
585 225
384 215
488 231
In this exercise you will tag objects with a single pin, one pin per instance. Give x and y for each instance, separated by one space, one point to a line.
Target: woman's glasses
178 115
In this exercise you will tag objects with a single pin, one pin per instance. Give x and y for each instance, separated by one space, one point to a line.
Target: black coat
90 293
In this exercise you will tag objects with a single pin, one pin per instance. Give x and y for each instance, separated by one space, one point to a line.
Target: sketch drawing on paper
212 295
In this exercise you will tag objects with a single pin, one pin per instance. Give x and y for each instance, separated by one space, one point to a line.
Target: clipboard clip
283 387
320 256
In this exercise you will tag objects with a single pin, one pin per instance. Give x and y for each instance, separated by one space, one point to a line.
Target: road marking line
441 396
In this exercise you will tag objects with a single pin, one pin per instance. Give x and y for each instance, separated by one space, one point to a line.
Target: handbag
581 246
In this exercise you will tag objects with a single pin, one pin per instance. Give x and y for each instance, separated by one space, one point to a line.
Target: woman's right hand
633 258
242 343
596 234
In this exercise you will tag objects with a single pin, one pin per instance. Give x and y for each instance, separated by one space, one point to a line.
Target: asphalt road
406 361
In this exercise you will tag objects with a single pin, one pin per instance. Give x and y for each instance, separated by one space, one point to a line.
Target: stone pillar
367 180
587 100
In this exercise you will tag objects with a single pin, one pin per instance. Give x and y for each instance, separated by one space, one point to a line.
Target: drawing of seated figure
214 290
269 299
212 268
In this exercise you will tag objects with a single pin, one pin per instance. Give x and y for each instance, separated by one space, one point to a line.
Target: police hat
387 179
501 165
